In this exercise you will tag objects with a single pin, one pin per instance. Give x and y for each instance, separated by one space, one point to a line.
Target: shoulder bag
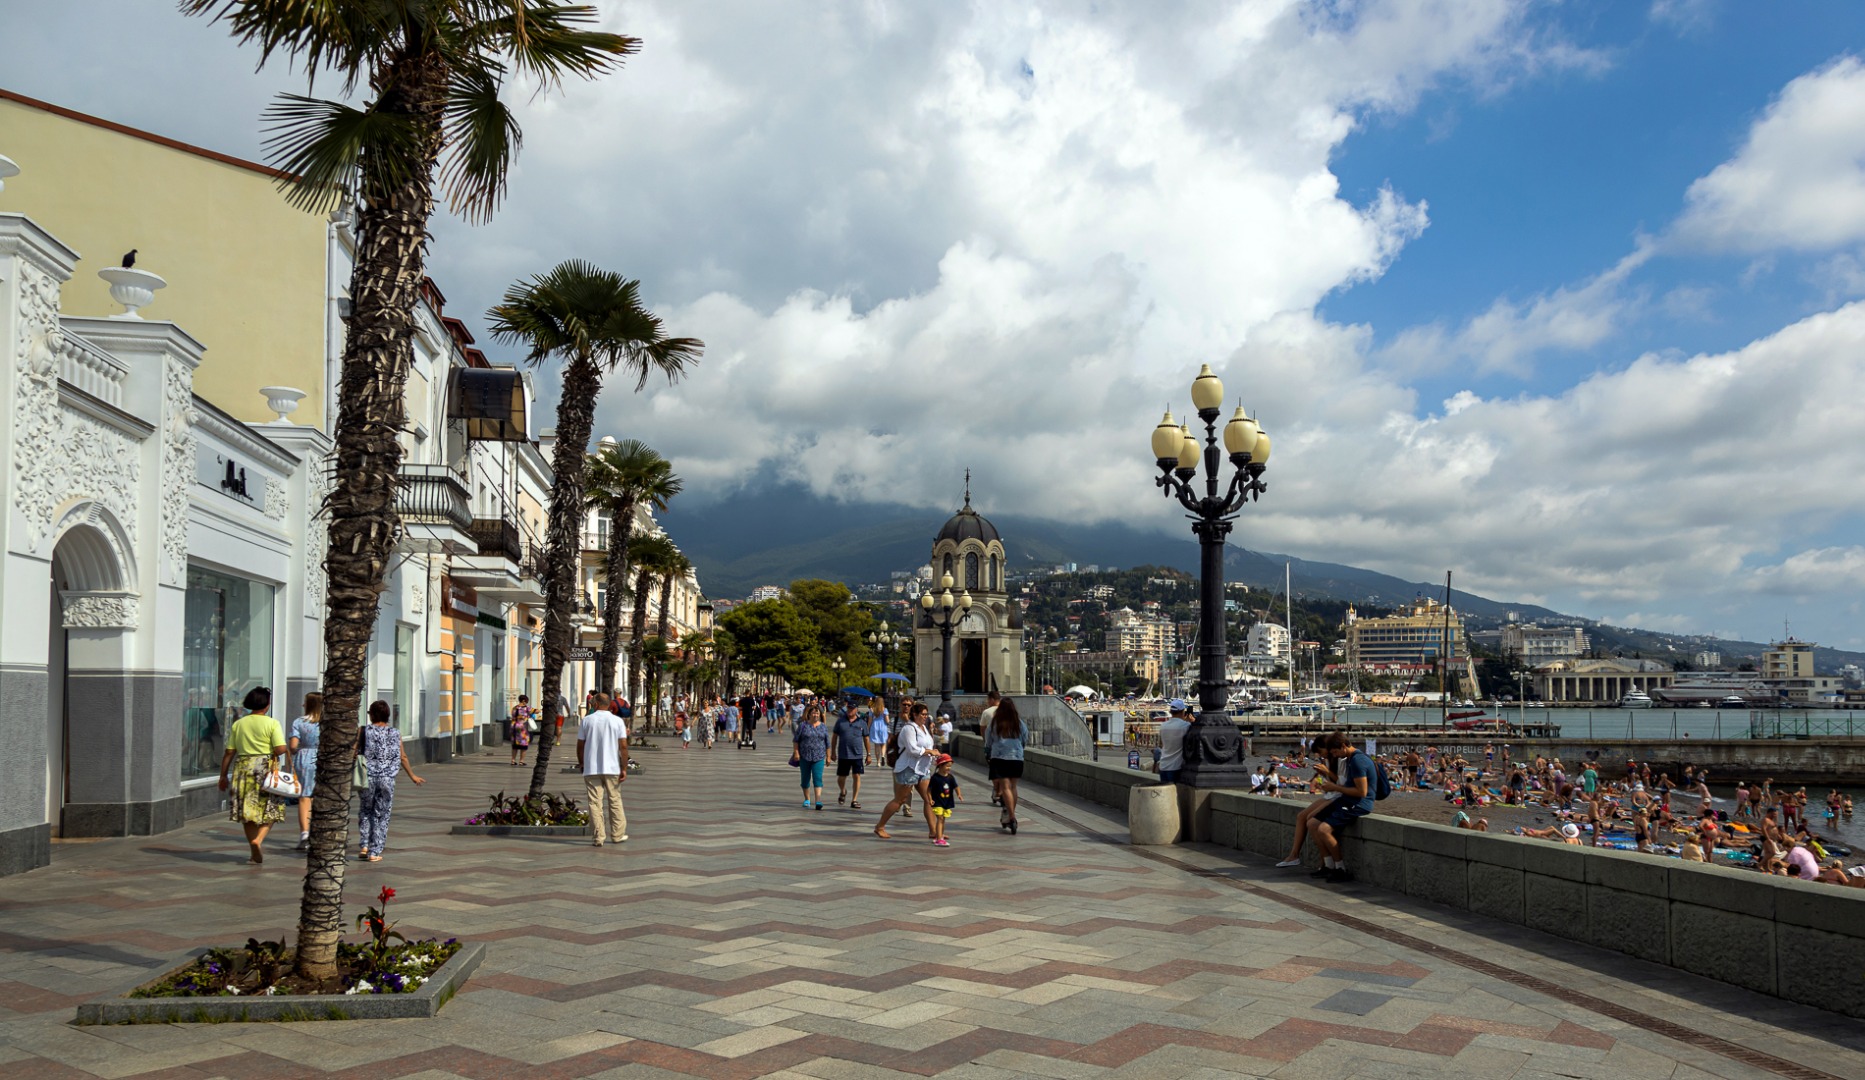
281 785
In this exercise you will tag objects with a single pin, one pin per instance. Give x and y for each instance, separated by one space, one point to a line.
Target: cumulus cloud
1820 572
1509 334
1798 181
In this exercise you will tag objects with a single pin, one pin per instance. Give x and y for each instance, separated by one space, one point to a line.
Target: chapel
987 643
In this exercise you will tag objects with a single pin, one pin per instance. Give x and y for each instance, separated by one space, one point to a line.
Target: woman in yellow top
255 743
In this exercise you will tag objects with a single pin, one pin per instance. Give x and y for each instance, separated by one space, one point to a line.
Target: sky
1567 297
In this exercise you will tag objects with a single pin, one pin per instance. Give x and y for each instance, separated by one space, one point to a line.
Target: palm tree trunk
660 630
638 637
391 256
563 538
615 567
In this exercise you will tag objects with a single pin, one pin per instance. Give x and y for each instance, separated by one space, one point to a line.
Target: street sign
581 652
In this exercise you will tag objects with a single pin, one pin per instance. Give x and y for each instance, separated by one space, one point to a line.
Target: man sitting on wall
1172 742
1353 787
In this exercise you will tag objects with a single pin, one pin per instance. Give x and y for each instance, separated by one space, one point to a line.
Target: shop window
226 651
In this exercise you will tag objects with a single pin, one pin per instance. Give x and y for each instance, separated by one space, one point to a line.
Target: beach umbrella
892 675
856 691
1078 691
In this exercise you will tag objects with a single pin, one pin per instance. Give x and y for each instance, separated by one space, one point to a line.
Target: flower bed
257 982
550 810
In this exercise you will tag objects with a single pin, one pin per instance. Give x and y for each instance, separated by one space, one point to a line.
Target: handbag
359 776
282 785
796 760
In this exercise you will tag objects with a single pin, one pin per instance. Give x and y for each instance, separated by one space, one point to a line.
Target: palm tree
432 71
654 657
652 557
622 476
676 567
592 320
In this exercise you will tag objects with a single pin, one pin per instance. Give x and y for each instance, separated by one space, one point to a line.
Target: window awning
491 403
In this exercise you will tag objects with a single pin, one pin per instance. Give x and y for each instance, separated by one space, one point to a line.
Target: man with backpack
1358 783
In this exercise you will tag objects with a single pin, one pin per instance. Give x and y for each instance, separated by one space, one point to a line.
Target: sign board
462 600
230 476
581 652
1133 759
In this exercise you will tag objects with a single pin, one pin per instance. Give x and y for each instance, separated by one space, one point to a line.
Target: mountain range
773 533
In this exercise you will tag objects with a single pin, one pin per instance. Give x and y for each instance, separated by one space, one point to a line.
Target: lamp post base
1214 753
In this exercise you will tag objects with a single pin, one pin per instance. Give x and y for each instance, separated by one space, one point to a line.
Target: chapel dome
968 524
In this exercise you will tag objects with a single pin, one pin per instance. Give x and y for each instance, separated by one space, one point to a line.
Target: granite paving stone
770 942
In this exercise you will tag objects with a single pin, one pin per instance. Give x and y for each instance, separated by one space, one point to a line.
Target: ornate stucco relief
177 468
86 611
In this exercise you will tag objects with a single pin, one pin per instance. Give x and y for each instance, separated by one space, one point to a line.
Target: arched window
948 565
997 573
972 580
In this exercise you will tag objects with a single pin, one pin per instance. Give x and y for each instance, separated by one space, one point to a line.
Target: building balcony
432 503
502 566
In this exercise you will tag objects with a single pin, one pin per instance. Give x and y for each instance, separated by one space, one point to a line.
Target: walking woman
1003 748
304 733
810 740
384 758
255 745
912 770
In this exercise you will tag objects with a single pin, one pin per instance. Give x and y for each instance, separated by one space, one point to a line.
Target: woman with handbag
304 733
912 770
379 748
255 745
810 742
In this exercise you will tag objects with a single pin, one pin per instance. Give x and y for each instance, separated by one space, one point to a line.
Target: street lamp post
1213 747
944 611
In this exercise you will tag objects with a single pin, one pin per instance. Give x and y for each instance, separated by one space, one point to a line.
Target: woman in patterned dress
384 757
255 745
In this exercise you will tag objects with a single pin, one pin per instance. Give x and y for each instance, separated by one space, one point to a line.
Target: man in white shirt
602 754
1172 741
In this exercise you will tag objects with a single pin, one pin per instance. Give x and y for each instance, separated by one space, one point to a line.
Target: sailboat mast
1444 656
1288 596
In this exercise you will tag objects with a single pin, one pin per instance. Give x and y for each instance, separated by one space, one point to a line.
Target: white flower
233 990
270 990
351 990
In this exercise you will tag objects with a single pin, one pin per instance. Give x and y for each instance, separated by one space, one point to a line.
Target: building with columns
987 645
1599 682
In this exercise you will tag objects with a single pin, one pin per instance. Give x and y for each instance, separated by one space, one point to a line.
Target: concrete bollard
1153 814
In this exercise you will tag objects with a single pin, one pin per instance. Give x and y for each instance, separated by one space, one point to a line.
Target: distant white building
1269 640
1708 660
765 592
1533 646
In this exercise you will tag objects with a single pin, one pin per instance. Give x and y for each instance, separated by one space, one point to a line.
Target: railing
92 370
496 536
1804 725
433 495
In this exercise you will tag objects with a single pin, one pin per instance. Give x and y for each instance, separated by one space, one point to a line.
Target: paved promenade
737 935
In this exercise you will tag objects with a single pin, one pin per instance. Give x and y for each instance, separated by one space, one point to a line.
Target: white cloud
1818 572
1508 335
1798 181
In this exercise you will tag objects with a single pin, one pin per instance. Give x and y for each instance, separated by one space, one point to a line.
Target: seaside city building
1532 646
168 467
1423 633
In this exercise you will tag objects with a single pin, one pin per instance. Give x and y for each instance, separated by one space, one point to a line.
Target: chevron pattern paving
738 935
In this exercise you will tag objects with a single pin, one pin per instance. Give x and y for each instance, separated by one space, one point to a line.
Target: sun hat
1570 830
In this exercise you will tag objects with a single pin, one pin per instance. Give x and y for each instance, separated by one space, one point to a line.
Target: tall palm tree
675 568
431 72
621 477
593 321
652 556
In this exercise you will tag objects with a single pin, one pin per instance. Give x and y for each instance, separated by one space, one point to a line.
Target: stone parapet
1802 941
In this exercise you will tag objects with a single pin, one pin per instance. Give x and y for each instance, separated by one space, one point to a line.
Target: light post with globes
838 666
1213 746
884 643
944 611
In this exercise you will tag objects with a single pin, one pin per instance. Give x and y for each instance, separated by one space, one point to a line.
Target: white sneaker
622 839
1286 863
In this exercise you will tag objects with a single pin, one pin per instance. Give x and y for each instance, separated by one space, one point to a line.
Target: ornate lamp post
884 643
945 611
1213 746
838 665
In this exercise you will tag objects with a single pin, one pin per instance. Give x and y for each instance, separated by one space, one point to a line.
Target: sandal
841 798
378 858
854 806
882 833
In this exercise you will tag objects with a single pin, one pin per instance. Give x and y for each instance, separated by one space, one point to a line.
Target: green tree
592 320
841 626
432 72
622 476
771 637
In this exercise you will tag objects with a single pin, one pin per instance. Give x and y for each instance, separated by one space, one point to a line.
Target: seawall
1835 761
1801 941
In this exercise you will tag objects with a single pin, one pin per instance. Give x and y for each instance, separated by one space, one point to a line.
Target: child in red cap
945 796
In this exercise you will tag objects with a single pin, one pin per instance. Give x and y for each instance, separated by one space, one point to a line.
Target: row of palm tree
430 121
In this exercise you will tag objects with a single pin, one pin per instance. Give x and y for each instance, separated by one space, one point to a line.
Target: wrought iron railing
433 495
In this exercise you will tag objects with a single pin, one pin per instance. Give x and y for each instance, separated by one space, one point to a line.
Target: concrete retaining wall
1796 940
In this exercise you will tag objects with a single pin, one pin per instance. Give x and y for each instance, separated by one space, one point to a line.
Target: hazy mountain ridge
772 534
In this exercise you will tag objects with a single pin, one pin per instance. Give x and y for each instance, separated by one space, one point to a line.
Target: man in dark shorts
849 746
1355 773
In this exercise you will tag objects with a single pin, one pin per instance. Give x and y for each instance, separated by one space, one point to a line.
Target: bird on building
129 260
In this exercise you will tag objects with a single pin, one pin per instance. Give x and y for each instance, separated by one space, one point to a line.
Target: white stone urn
7 170
132 288
282 400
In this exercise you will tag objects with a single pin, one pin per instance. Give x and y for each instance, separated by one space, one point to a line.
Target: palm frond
343 36
321 143
549 41
482 137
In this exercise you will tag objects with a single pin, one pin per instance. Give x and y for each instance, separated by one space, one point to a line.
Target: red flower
385 895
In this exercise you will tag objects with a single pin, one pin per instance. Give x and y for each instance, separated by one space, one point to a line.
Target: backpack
1382 784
